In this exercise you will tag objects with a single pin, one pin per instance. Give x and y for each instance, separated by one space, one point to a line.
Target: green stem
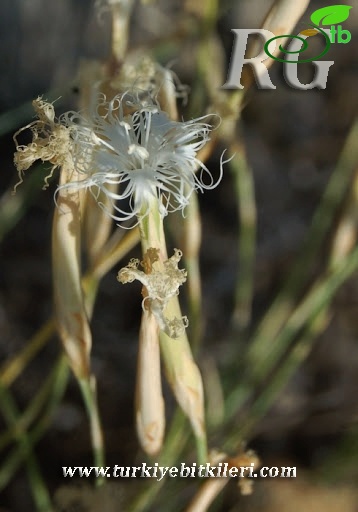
245 193
33 410
192 242
10 371
266 334
89 394
39 491
316 300
13 461
280 378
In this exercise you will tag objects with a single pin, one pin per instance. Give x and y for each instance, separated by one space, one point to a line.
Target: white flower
132 144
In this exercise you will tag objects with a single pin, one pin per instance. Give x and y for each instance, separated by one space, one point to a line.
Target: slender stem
39 491
113 251
11 370
266 333
316 300
89 394
280 378
33 409
192 243
244 188
12 462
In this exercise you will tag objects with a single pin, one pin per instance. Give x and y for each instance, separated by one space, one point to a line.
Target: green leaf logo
331 15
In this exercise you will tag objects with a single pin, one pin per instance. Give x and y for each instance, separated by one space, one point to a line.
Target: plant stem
89 394
245 193
39 491
10 371
314 303
60 376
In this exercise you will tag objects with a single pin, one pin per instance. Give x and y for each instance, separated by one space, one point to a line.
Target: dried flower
51 141
160 286
149 157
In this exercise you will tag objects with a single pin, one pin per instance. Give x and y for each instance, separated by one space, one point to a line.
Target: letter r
238 60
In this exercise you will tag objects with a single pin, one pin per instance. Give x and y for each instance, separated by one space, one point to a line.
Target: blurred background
293 141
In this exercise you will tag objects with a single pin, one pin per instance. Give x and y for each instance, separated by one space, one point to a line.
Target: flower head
131 144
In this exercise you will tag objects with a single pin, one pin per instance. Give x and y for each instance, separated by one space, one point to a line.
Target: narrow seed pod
184 376
150 416
71 317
